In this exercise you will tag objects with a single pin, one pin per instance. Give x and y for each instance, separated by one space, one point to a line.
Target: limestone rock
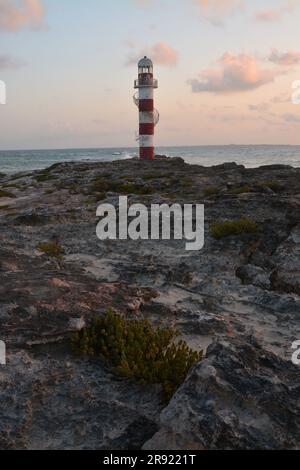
239 397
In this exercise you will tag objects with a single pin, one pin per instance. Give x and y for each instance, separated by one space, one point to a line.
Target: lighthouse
148 115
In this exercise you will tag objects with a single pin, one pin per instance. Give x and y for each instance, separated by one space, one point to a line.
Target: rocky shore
238 299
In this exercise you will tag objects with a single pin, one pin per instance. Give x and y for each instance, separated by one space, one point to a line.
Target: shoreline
158 157
249 156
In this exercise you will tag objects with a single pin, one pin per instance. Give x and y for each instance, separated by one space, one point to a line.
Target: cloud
277 14
289 58
290 6
282 98
7 62
213 9
16 15
161 54
291 118
261 107
236 73
219 8
268 15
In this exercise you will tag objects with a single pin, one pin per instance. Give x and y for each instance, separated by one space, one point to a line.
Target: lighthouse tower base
147 153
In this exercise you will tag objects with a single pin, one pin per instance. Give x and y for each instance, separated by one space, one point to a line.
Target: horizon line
157 147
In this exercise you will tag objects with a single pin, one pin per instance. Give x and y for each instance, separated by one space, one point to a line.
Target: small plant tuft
210 191
220 230
241 190
153 176
100 185
52 249
4 193
273 185
44 177
138 350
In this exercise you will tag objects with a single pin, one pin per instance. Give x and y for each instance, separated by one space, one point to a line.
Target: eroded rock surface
240 397
240 293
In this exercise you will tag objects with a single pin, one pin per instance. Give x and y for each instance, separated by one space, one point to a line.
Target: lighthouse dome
145 62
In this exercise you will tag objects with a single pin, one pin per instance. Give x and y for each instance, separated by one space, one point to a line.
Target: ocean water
248 155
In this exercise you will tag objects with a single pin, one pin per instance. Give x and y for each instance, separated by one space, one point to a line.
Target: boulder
240 397
250 274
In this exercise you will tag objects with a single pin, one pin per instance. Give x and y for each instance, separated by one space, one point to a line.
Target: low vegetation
210 191
138 350
46 175
102 185
186 183
13 186
154 176
52 249
220 230
4 193
273 185
241 190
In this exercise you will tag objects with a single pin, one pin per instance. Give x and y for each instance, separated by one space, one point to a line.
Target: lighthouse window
145 70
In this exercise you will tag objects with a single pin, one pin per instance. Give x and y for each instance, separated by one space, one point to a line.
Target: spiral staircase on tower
155 112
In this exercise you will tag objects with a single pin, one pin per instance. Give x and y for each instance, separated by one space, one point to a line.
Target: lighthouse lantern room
148 115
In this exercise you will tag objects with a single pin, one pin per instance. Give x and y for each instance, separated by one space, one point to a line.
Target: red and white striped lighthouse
148 115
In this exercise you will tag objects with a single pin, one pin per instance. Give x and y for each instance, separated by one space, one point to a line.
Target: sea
250 156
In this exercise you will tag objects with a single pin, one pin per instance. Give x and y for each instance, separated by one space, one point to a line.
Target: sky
225 70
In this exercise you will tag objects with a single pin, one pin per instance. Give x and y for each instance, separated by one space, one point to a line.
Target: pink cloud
15 15
161 54
235 73
277 14
289 58
220 7
268 15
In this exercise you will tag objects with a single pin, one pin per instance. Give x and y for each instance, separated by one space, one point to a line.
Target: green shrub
13 186
273 185
241 190
153 176
131 188
4 193
100 185
52 249
45 176
233 227
186 183
210 191
138 350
